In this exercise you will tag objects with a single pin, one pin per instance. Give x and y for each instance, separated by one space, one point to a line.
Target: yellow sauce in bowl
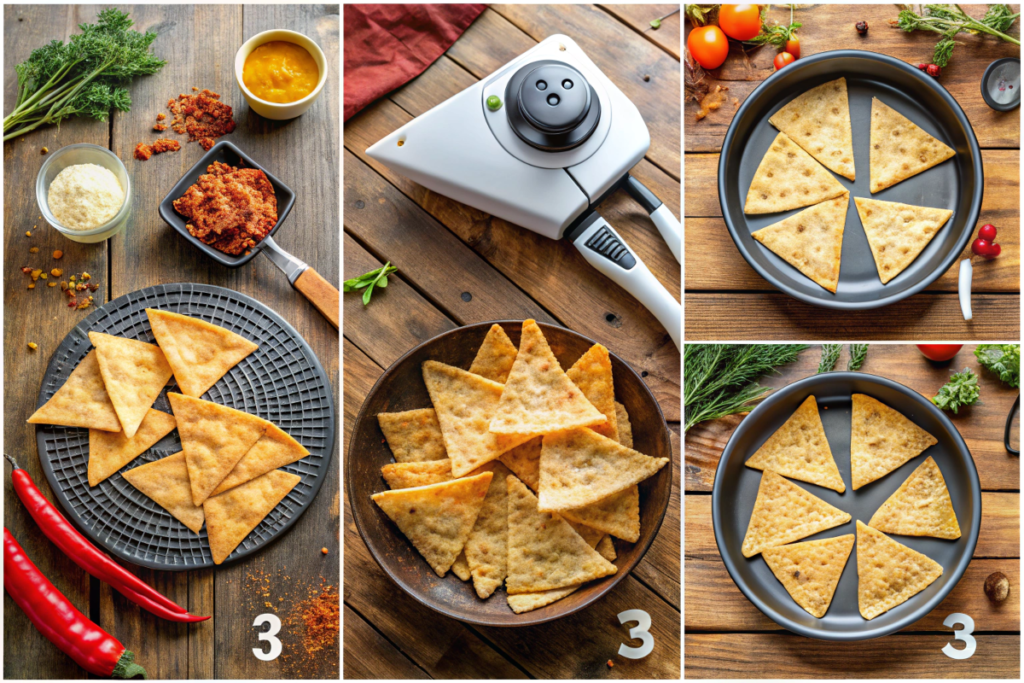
280 72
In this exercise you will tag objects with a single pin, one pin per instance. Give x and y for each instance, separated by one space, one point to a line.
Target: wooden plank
368 655
785 655
660 569
200 636
639 17
714 603
360 375
980 425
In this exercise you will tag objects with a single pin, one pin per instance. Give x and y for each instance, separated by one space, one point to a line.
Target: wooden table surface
727 299
199 44
458 266
728 637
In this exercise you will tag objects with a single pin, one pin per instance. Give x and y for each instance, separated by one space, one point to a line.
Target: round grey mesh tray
282 381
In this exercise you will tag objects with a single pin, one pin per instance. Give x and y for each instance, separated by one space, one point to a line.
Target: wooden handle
321 294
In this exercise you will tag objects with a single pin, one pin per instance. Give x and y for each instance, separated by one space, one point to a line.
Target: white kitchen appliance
540 143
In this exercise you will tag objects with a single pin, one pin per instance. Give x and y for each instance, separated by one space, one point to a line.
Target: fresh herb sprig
961 390
829 357
775 34
950 20
858 354
367 281
84 77
721 379
1002 359
701 15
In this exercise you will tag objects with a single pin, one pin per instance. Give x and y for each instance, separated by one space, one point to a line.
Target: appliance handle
666 223
604 249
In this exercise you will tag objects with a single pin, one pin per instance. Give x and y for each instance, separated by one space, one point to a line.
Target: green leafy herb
367 281
701 15
1002 359
961 390
775 34
87 76
655 23
949 20
829 357
858 354
721 379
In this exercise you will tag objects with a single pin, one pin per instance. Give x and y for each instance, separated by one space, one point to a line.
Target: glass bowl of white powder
84 192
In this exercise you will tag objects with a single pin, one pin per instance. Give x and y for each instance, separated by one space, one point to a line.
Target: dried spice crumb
33 250
160 127
51 284
323 550
44 150
86 276
161 116
33 346
28 233
56 272
57 254
31 286
610 663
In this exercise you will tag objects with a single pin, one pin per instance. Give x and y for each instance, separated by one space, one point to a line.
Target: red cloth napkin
388 45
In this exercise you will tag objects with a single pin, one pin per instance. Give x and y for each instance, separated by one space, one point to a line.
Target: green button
494 103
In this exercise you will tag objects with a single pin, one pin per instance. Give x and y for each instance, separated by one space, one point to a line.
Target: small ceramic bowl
72 155
275 110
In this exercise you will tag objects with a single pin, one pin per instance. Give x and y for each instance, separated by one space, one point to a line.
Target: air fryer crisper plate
736 485
282 381
955 184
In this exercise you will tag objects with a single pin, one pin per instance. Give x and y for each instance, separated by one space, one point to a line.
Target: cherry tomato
793 47
740 22
708 45
987 232
939 352
982 247
782 59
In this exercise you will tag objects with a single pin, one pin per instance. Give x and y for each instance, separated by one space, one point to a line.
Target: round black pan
736 489
955 184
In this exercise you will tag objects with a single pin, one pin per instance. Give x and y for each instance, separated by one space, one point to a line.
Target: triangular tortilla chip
606 548
881 440
110 451
413 435
465 404
592 373
273 450
788 178
889 573
460 567
527 602
811 241
487 546
543 550
134 374
437 519
199 353
166 483
897 233
919 507
591 536
625 428
524 461
81 402
799 450
407 475
810 571
214 438
539 398
495 357
580 467
232 515
784 512
819 121
899 149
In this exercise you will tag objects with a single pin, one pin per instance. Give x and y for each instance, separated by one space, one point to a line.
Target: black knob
549 100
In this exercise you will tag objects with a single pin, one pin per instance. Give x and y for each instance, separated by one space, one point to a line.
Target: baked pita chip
232 515
487 546
413 435
799 450
580 467
606 548
495 356
407 475
165 481
625 428
134 374
437 519
592 373
527 602
110 451
898 233
539 398
810 571
214 438
819 121
889 573
919 507
811 241
784 512
81 402
881 439
899 149
788 178
465 404
275 449
543 550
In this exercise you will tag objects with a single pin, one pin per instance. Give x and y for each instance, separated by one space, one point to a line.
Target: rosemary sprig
950 20
829 357
858 354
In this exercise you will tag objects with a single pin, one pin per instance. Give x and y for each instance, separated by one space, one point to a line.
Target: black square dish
226 153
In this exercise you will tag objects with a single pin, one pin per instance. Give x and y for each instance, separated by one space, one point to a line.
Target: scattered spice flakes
160 127
201 116
161 116
712 101
143 151
164 145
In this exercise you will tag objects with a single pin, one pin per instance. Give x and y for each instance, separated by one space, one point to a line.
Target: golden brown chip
487 546
134 374
166 483
413 435
898 233
889 573
524 461
919 507
788 178
495 357
460 567
625 428
899 148
527 602
819 121
81 402
232 515
406 475
110 451
618 515
606 547
592 373
881 440
810 571
273 450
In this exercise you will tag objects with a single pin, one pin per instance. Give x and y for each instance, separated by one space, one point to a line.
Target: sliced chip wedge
625 428
495 356
881 440
898 233
134 374
232 515
165 481
810 571
413 435
527 602
592 373
889 573
81 402
486 548
921 506
784 512
899 148
819 121
110 451
406 475
788 178
274 449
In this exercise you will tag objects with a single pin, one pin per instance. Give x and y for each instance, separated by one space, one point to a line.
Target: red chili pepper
88 557
94 649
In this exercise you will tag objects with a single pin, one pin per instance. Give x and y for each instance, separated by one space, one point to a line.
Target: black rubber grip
607 244
639 192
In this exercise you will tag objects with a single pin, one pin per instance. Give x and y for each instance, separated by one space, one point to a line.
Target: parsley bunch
1002 359
961 390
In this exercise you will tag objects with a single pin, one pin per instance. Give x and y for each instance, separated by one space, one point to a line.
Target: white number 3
963 634
270 635
639 632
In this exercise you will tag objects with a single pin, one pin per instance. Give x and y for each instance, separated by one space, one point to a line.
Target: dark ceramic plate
736 489
401 388
955 184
